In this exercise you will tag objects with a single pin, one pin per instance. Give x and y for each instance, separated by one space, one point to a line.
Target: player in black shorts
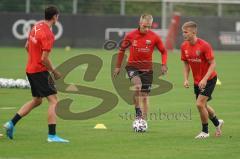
208 90
42 84
143 82
197 55
145 76
141 43
38 46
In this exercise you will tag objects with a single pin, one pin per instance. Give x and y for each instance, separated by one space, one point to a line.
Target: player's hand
57 75
202 84
116 72
186 84
164 69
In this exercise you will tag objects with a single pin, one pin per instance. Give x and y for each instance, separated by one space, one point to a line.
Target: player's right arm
124 45
186 68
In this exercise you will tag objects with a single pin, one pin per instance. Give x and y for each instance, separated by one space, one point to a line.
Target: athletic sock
215 121
205 128
15 119
138 112
51 129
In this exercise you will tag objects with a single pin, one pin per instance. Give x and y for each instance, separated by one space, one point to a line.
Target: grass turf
164 139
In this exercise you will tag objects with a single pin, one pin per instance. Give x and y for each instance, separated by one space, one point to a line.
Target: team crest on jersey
198 52
148 42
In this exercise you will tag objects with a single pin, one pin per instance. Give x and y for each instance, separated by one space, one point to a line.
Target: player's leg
26 108
52 137
137 84
207 92
218 123
146 78
201 105
133 75
36 94
211 112
52 100
23 111
145 102
212 115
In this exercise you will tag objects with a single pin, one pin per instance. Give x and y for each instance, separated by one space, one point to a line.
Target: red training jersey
40 39
197 56
141 48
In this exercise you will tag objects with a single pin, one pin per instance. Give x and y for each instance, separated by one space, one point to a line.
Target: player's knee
37 102
145 97
54 103
200 105
137 87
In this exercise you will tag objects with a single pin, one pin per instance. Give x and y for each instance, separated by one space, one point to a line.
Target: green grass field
165 139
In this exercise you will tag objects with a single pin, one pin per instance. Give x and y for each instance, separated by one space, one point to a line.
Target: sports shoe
55 138
218 132
9 129
202 135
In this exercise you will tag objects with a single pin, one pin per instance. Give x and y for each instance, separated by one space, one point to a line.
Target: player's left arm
164 54
210 57
47 45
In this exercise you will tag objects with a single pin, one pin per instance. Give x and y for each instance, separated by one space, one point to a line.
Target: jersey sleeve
208 52
161 49
46 42
183 57
126 42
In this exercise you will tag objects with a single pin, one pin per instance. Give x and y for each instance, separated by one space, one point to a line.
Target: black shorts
145 76
208 89
42 84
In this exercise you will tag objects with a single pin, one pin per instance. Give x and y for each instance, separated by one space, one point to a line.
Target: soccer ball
140 125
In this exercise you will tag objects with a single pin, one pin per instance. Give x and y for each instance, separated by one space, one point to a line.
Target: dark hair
50 11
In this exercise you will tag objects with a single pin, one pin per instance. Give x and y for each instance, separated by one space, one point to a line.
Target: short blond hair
147 17
190 24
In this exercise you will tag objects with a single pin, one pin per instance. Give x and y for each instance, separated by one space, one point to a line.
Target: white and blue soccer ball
140 125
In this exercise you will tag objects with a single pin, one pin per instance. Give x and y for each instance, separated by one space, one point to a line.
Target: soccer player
198 56
141 43
39 67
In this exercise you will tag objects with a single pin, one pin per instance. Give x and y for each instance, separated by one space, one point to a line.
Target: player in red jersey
198 56
141 43
39 45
